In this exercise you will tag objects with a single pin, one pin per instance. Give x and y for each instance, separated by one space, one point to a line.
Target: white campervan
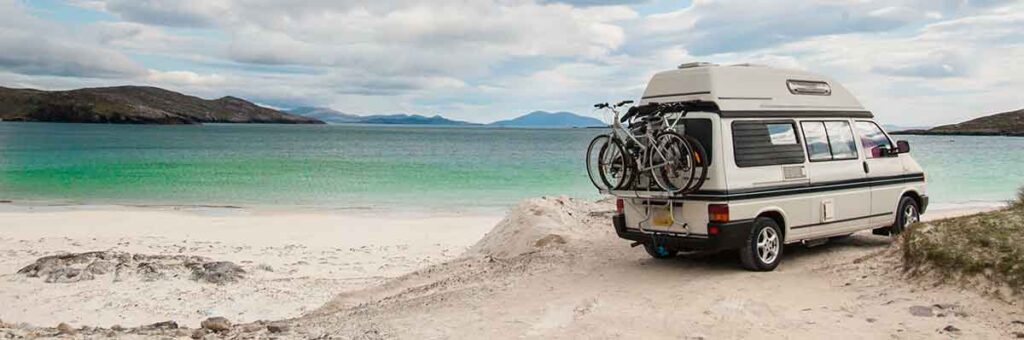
793 157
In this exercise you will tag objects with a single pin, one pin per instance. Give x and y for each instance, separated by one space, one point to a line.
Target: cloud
713 26
35 47
181 13
185 78
933 65
47 57
586 3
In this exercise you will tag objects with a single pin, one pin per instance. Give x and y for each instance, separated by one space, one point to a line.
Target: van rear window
766 142
700 128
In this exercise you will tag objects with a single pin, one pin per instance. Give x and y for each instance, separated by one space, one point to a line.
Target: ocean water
374 167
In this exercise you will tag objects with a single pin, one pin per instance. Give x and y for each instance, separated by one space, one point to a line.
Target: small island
134 105
1000 124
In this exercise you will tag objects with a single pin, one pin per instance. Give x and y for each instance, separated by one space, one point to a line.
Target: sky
911 62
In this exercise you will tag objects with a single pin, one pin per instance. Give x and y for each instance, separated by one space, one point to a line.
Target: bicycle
650 144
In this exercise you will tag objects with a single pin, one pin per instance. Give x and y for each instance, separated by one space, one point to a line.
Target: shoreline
408 211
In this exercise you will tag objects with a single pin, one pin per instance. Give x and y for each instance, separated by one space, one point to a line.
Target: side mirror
902 146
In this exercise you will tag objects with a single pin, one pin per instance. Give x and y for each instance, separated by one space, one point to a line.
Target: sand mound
544 223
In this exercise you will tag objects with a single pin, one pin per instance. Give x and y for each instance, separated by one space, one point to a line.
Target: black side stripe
676 94
795 113
840 221
708 195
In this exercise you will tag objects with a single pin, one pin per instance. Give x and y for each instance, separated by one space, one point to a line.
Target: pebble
951 329
65 329
198 334
252 327
922 311
217 324
277 328
165 325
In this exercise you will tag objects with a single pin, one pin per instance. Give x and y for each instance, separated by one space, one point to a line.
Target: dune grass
989 245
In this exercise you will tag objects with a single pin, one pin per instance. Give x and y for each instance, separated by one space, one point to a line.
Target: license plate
662 217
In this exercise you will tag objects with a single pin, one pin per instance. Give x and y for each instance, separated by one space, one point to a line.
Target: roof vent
696 64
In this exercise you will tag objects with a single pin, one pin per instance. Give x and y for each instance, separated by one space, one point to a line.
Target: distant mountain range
1000 124
550 119
134 105
337 117
152 105
536 119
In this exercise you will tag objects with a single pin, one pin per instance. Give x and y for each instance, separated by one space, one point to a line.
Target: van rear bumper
731 235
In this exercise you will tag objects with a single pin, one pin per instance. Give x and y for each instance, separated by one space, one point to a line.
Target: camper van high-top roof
750 88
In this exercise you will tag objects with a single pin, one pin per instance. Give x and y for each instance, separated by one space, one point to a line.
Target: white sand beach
295 261
551 268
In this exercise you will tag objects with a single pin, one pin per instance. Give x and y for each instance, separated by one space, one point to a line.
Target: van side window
840 138
781 134
817 141
762 143
829 140
872 139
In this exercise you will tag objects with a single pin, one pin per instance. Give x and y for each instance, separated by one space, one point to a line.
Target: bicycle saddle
640 111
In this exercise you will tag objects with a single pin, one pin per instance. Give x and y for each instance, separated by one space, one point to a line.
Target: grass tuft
990 245
1019 202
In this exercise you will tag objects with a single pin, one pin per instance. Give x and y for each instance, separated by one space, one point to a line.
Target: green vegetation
989 245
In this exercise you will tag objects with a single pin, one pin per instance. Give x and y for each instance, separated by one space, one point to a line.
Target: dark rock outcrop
67 268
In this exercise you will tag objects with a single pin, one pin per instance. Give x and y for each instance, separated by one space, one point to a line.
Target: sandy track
595 286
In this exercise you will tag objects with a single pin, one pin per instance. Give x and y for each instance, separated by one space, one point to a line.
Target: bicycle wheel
671 162
614 165
597 144
700 161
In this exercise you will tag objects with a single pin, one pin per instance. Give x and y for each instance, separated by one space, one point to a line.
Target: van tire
660 252
908 209
768 231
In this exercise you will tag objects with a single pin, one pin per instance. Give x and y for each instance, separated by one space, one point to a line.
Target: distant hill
550 120
337 117
1000 124
133 105
537 119
893 127
412 119
326 114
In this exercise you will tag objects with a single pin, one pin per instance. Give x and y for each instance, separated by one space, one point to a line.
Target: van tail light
620 206
718 213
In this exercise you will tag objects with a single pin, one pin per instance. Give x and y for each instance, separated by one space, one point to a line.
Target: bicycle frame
619 130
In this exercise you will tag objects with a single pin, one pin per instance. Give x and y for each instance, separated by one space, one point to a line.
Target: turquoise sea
374 167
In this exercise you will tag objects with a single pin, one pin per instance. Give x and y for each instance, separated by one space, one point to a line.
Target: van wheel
908 213
763 249
660 252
